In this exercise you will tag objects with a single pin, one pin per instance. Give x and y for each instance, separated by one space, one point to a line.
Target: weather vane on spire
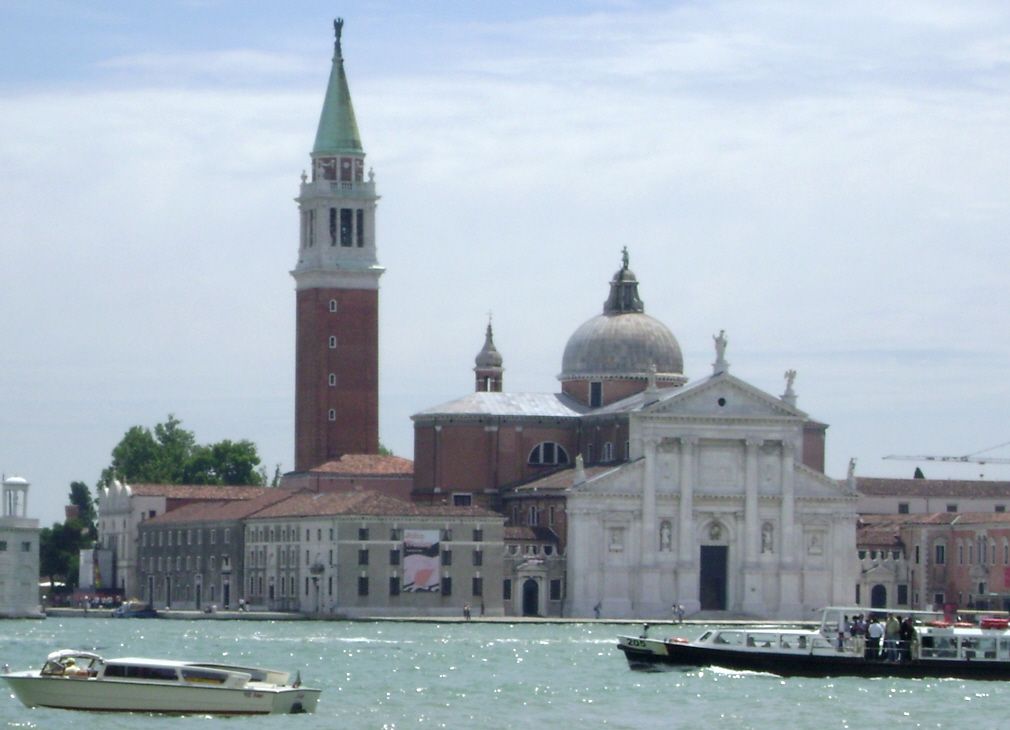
338 27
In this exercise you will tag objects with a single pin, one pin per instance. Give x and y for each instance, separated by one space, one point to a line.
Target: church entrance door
531 598
878 596
712 588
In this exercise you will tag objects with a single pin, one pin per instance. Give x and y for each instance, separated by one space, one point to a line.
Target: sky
826 182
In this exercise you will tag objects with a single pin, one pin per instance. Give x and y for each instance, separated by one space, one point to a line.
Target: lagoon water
488 675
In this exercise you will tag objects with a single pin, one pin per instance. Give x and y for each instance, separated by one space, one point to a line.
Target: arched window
332 415
333 305
333 380
548 453
333 342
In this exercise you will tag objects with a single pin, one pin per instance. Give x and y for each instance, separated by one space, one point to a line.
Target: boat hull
72 693
654 654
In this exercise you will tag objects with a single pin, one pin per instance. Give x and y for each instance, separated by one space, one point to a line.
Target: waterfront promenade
225 615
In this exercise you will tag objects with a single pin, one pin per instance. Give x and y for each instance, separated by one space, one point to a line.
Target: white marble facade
714 511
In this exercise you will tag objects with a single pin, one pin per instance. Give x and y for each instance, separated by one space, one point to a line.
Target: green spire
338 129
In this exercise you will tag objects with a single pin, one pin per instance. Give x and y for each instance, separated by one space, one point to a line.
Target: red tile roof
222 511
314 504
195 491
367 465
877 487
525 532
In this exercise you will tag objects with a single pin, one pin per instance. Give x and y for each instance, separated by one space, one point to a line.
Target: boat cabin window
938 647
705 636
793 641
978 648
203 676
734 638
130 671
762 641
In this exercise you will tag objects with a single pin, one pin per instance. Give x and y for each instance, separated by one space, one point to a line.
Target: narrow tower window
312 228
359 228
333 305
332 415
333 380
333 342
346 224
333 226
595 394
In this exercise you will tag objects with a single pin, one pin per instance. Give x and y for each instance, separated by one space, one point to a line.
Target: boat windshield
141 672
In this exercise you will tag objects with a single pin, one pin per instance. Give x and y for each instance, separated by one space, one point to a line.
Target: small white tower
19 553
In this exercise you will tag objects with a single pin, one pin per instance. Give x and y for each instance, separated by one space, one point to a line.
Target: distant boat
134 609
940 648
80 680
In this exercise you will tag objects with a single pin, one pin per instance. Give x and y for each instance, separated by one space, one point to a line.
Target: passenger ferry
939 648
80 680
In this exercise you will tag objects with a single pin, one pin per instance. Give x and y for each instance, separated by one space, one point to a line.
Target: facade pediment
623 479
726 397
813 484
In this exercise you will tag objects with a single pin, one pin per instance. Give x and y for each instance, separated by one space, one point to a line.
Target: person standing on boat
908 637
874 632
859 634
892 634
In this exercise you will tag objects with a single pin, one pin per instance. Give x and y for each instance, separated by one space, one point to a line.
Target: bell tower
337 289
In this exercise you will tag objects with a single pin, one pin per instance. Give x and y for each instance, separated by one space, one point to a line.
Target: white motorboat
80 680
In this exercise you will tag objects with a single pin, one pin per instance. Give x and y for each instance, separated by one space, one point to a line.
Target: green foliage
61 544
385 450
170 455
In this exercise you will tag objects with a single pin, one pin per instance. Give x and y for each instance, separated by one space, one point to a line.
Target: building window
394 556
462 500
608 451
478 557
916 554
306 585
548 453
332 342
447 557
346 226
478 534
395 533
333 305
333 380
362 585
902 594
362 533
533 517
1001 508
446 585
394 585
446 535
506 589
478 586
938 600
26 547
627 450
312 228
595 394
227 536
515 514
902 508
589 453
213 537
940 556
359 228
555 589
332 414
952 507
363 557
333 226
550 516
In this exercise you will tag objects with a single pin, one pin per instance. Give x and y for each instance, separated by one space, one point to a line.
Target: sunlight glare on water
493 675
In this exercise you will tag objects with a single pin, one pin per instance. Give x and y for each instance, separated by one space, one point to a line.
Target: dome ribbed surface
621 345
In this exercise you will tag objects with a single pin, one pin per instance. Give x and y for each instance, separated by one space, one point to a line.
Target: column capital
689 441
753 441
788 447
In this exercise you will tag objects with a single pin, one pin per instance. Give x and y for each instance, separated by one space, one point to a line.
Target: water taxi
81 680
937 647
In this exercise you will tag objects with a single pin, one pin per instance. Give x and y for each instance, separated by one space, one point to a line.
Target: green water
407 675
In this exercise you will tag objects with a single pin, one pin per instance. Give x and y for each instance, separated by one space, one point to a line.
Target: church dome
488 357
623 342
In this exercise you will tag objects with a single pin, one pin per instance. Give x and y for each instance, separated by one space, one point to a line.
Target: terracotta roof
525 532
195 491
222 511
313 504
981 518
933 518
367 465
878 538
878 487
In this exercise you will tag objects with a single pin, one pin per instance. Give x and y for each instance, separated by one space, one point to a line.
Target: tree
60 545
170 455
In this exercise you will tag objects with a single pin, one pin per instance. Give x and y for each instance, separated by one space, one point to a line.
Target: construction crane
972 458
